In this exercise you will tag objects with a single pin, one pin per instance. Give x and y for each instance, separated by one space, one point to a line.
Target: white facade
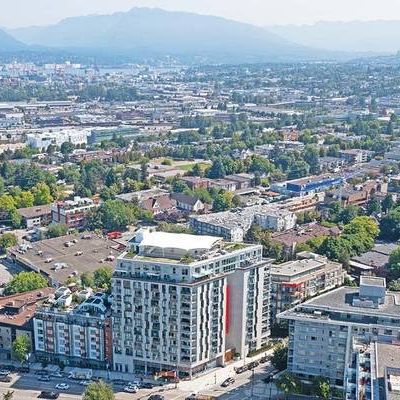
180 312
43 140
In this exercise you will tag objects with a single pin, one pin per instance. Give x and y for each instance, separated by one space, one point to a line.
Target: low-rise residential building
234 225
16 313
295 281
72 212
188 203
35 216
74 334
181 302
159 205
322 330
356 156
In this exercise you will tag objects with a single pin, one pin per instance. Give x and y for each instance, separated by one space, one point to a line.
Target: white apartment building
42 140
180 302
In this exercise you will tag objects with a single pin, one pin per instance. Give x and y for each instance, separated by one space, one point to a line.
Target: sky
17 13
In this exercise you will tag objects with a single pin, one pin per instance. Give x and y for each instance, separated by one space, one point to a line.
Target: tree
87 279
102 277
279 357
67 148
21 347
390 225
112 215
394 286
394 264
288 383
348 213
8 395
98 391
373 207
387 203
179 186
42 194
56 230
7 240
322 387
25 282
217 169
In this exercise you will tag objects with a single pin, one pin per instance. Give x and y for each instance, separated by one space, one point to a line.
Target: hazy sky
15 13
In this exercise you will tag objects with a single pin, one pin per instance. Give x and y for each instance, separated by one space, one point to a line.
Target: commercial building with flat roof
182 301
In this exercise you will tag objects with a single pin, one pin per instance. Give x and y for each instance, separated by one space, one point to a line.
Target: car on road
84 383
227 382
4 372
5 378
49 395
253 365
269 378
57 374
131 389
264 359
62 386
44 378
156 397
146 385
240 370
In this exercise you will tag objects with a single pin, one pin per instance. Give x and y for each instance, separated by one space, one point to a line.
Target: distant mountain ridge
361 36
155 32
9 44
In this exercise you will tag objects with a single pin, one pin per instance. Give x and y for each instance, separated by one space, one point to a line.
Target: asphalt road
247 386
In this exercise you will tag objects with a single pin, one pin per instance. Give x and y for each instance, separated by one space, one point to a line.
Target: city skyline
45 12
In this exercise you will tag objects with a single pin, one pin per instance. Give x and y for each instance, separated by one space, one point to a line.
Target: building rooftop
179 241
35 211
18 309
66 256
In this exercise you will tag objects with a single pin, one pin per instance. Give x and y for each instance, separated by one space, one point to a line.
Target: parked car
119 382
57 374
264 359
156 397
227 382
44 378
131 389
5 378
62 386
5 372
49 395
42 372
84 383
240 370
146 385
23 370
253 364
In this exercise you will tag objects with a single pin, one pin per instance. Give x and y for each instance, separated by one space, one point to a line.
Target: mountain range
153 32
148 33
359 36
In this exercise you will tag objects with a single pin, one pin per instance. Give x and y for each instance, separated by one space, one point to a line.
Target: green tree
394 286
179 186
42 194
102 277
217 169
21 347
394 264
373 207
56 230
322 387
112 215
67 148
390 225
387 203
87 279
98 391
288 383
279 357
25 282
7 240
